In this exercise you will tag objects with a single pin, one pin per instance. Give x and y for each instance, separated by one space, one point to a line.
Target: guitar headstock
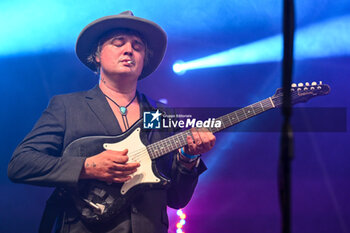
302 92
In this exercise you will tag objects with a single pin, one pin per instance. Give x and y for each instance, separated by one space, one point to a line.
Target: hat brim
154 35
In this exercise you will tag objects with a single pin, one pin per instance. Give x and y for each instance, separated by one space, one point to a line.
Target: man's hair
109 35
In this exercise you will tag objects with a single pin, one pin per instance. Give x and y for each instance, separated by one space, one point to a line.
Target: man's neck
122 90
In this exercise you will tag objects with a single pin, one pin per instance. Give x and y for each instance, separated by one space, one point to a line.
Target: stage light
179 212
325 39
163 100
181 222
179 67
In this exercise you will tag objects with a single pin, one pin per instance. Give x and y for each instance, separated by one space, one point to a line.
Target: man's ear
97 59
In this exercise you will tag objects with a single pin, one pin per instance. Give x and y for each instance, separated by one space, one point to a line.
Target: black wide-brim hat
154 35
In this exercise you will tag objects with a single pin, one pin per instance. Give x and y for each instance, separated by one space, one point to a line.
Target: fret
155 150
173 143
253 108
169 145
219 128
249 111
150 151
178 138
233 118
213 130
235 112
258 108
161 146
241 115
166 145
184 138
267 104
223 124
186 133
262 106
228 121
244 112
228 116
158 149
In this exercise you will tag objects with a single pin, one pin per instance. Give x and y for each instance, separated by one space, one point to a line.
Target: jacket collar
99 105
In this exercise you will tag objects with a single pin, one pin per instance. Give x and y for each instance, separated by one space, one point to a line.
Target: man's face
123 54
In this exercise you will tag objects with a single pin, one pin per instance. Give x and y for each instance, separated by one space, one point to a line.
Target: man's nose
128 50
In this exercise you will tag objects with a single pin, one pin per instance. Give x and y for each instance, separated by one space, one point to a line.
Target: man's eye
138 46
118 43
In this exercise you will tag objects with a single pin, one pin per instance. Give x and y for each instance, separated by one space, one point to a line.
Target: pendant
123 110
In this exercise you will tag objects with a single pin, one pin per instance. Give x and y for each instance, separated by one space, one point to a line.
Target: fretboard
179 140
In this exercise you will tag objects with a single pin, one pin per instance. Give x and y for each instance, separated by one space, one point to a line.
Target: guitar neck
179 140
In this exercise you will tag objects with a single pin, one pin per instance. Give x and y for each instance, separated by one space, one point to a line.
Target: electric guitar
98 201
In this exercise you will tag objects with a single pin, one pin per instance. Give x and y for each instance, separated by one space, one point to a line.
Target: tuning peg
307 84
305 89
312 88
319 88
314 84
300 84
320 82
292 89
294 85
299 89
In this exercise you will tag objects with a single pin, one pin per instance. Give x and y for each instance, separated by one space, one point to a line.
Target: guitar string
162 143
277 102
241 113
137 155
141 152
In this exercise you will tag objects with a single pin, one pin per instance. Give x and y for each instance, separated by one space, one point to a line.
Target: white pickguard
144 173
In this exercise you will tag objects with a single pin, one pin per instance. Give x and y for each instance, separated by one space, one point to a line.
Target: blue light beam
326 39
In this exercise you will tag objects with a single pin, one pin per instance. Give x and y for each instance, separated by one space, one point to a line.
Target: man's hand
109 166
201 142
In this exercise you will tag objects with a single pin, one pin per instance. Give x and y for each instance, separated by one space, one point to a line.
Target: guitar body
98 201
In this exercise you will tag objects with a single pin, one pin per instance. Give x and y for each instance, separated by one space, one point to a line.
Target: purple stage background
238 192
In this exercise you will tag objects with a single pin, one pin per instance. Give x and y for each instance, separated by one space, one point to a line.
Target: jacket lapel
99 105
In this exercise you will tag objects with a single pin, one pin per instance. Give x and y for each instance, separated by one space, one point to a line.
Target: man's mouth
128 61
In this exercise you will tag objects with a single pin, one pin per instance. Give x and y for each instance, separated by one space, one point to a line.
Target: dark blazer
38 161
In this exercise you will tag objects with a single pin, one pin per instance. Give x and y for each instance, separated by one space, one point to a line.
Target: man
122 49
